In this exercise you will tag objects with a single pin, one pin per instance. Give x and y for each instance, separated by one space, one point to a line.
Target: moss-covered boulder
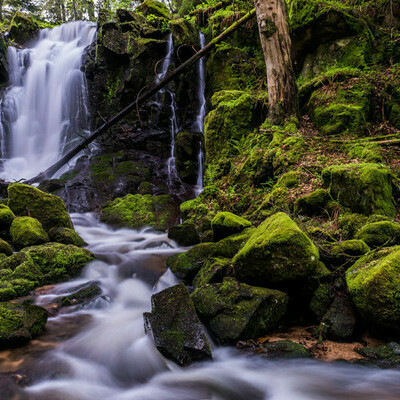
176 329
20 323
6 218
82 295
27 231
225 224
213 271
373 283
5 248
320 300
284 349
50 210
382 233
137 211
344 253
313 204
364 188
154 8
184 234
235 311
277 251
385 356
66 236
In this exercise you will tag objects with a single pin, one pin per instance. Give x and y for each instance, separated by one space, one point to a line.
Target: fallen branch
150 93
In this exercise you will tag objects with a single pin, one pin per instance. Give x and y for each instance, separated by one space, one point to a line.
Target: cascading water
199 125
44 110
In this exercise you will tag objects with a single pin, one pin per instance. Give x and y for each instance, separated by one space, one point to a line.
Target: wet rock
225 224
6 218
364 188
20 323
5 248
213 270
373 283
284 349
176 329
277 251
27 231
320 300
235 311
83 295
381 233
3 61
23 29
385 356
66 236
48 209
184 234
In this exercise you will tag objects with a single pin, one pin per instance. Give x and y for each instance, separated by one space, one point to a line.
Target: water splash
45 106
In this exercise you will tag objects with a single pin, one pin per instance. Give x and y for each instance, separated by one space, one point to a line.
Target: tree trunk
276 44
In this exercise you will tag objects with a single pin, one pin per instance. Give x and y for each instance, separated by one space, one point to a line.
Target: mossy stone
344 253
5 248
277 251
20 323
313 204
48 209
234 310
364 188
213 270
6 217
66 236
154 8
284 350
385 356
184 234
226 224
320 300
382 233
373 283
27 231
81 296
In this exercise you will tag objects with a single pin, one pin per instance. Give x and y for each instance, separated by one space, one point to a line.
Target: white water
112 359
46 103
199 125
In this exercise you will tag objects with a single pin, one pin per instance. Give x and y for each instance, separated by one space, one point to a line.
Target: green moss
284 349
344 253
5 248
321 300
364 188
377 234
349 224
277 251
184 234
27 231
66 236
368 152
313 203
153 7
48 209
213 270
226 224
6 217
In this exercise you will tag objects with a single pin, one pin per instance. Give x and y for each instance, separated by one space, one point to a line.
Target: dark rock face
184 234
177 331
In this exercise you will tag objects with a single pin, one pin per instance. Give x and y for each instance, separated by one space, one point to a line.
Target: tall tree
275 40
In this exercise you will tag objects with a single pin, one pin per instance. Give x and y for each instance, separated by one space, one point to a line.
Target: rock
66 236
184 234
3 61
20 323
373 283
213 270
385 356
27 231
176 329
48 209
225 224
81 296
6 218
321 300
284 349
364 188
277 251
344 253
313 204
234 311
137 211
229 246
382 233
24 28
339 322
154 8
5 248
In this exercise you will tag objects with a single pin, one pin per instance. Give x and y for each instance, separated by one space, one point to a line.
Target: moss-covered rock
20 323
154 8
213 270
27 231
83 295
277 251
321 300
385 356
184 234
66 236
6 218
176 329
5 248
313 204
48 209
344 253
234 311
226 224
382 233
373 282
284 349
364 188
137 211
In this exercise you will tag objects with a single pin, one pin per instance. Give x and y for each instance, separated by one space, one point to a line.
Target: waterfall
199 125
43 113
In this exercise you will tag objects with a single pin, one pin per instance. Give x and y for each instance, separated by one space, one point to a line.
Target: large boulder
48 209
373 283
381 233
176 329
277 251
137 211
184 234
66 236
5 248
27 231
364 188
234 310
6 218
225 224
20 323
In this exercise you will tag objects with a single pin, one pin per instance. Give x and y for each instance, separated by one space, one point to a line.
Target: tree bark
276 44
145 96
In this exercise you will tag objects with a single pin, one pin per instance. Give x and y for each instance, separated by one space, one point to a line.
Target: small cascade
199 125
44 112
